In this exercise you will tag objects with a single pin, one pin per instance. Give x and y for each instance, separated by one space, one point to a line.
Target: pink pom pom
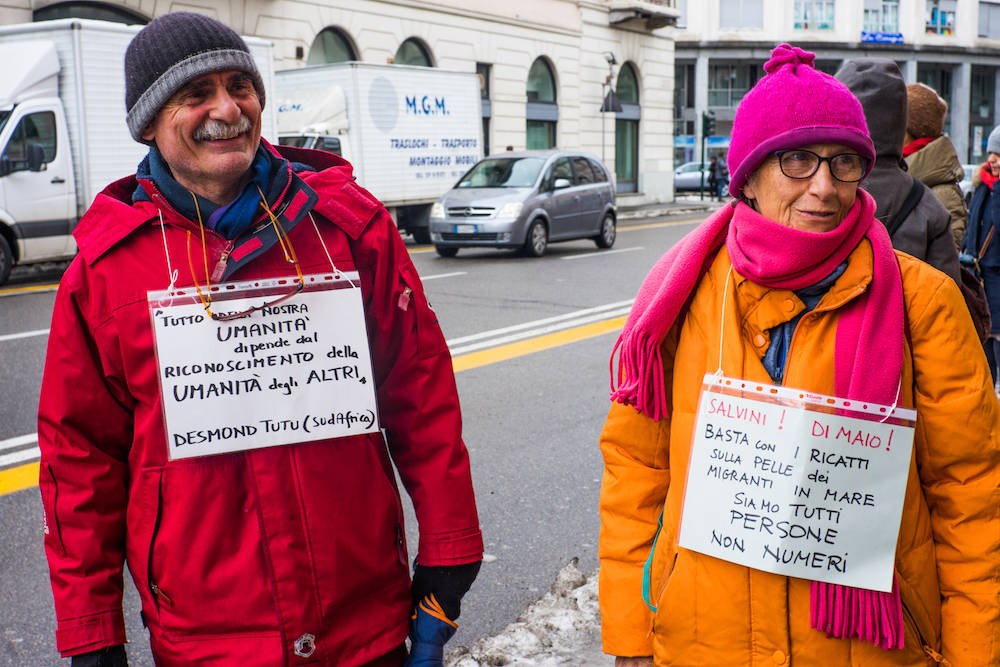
786 54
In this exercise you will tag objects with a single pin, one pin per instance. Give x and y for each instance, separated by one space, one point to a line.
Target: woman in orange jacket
796 284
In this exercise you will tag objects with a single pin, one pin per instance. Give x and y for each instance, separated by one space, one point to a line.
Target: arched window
542 112
102 11
331 46
627 130
413 52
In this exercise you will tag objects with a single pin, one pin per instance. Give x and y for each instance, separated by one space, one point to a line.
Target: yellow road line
653 225
523 347
26 476
25 290
19 478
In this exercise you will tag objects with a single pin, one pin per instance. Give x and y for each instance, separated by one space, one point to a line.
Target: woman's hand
645 661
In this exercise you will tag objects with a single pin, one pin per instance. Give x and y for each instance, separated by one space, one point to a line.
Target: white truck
63 136
409 132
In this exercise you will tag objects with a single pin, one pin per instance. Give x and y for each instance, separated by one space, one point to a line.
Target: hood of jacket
113 215
936 163
879 86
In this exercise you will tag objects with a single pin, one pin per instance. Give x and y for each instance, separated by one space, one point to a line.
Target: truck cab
37 189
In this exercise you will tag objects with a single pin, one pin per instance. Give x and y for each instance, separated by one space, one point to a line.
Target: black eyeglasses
801 164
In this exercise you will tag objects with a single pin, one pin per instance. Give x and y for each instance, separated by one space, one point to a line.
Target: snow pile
562 628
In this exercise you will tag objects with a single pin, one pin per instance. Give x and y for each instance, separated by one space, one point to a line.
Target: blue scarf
776 356
270 175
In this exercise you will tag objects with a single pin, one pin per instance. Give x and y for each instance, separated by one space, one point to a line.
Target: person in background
922 229
718 177
292 552
981 243
796 283
931 156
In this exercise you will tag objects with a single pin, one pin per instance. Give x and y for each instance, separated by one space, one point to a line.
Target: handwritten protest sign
795 483
297 371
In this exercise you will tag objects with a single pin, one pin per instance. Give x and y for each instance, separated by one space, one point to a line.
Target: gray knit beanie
172 50
993 143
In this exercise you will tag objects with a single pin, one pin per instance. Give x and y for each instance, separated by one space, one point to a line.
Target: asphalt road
530 338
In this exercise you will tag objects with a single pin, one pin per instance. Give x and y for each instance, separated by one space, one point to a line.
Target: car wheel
421 235
606 238
537 239
6 260
446 250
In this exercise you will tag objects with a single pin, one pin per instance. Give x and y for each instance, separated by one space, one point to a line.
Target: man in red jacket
238 356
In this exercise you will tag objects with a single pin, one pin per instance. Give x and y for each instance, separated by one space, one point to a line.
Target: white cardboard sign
795 483
295 372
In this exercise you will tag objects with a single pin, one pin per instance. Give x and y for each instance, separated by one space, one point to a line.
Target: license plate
465 229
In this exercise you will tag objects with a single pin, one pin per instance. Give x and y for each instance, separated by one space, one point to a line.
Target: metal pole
701 188
603 161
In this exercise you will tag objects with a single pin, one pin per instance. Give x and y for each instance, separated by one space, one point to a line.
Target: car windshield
506 172
294 141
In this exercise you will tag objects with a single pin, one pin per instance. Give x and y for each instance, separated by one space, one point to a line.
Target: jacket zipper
928 651
220 266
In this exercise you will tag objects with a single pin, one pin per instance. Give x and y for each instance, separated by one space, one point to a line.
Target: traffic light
707 124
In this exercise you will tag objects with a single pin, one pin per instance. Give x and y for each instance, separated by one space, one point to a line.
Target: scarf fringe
639 379
871 616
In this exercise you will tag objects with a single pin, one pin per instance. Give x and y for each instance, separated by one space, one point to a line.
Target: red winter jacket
239 555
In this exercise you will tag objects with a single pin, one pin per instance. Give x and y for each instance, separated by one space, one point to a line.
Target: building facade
951 45
546 66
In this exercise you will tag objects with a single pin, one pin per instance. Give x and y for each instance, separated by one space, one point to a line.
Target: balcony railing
725 97
649 14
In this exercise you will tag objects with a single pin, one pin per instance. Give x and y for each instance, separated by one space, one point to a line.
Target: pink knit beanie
794 105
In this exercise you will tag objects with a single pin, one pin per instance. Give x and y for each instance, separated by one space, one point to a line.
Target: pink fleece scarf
868 354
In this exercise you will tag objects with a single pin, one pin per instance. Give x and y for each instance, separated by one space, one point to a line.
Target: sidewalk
631 208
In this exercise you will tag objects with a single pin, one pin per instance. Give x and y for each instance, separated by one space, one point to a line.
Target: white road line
540 327
24 334
443 275
458 346
19 441
601 253
537 323
19 457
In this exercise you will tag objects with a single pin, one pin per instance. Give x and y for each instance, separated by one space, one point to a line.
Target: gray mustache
217 129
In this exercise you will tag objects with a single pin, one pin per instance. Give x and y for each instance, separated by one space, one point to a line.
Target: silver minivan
526 199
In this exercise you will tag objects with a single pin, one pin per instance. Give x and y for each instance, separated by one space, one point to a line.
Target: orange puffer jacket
712 612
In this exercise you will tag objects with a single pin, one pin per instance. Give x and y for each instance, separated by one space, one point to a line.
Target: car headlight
511 209
437 211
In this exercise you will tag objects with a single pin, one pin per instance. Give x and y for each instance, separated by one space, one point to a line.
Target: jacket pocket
157 594
50 512
915 624
205 570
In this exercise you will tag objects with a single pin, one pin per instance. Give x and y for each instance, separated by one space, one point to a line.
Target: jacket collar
113 216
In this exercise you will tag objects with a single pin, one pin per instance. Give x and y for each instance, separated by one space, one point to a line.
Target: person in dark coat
931 156
718 177
982 242
926 232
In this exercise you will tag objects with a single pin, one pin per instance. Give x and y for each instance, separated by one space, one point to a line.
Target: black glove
448 583
113 656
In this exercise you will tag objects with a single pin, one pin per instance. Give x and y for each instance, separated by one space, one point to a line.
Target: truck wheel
421 235
537 239
606 238
446 250
6 260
